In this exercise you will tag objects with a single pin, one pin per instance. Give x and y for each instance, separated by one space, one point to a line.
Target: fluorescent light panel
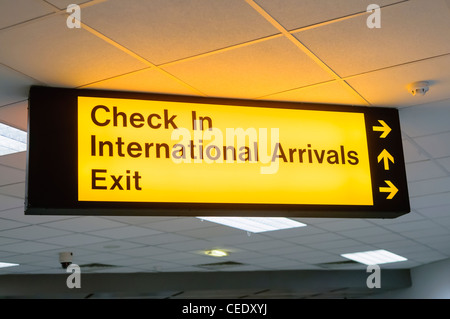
12 140
4 265
255 224
374 257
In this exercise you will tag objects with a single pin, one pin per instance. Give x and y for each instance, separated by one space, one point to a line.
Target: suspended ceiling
292 50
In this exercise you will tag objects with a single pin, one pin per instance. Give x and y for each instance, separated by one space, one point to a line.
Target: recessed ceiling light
255 224
374 257
12 140
216 253
4 265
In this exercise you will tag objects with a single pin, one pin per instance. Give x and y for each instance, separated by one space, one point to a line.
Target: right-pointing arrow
383 128
386 157
391 189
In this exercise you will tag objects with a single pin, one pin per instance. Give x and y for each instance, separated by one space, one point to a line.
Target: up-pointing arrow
383 128
391 189
386 157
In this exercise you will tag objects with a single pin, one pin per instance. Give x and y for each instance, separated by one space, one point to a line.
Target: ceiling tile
423 170
380 239
124 232
293 232
25 247
436 145
8 202
412 152
346 224
16 160
209 232
180 224
435 212
147 80
112 246
332 245
15 115
32 232
18 214
190 245
148 251
11 176
83 224
407 33
427 119
73 240
365 232
162 238
14 86
252 71
294 14
62 4
304 240
326 93
435 200
167 30
389 87
14 190
67 57
445 162
17 11
427 187
6 241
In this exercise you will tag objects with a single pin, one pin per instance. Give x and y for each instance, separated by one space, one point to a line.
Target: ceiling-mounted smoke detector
418 88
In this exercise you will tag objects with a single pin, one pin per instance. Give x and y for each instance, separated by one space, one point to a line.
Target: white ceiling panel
9 224
435 212
162 238
252 71
423 170
15 115
26 247
412 152
389 87
8 202
427 187
67 57
293 14
175 29
33 232
63 4
16 11
407 33
112 246
435 200
325 93
14 190
147 80
83 224
436 145
426 119
11 175
14 86
445 162
73 240
124 232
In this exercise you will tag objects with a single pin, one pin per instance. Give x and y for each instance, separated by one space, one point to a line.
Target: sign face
117 153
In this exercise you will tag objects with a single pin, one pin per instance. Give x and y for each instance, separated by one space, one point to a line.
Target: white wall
430 281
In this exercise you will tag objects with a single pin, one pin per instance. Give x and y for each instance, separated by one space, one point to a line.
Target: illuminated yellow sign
132 150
